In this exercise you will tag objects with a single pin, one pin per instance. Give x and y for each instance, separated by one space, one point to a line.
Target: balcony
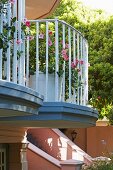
47 58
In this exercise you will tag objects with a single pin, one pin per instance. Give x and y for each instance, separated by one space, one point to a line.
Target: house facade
43 76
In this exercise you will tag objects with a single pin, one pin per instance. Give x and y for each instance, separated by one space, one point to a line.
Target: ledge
16 100
57 115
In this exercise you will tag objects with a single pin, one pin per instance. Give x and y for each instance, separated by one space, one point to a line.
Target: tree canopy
97 27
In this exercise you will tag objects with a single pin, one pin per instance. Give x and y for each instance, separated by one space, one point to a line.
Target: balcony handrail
61 21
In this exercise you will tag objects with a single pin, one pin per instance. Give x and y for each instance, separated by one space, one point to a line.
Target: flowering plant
63 54
47 51
8 28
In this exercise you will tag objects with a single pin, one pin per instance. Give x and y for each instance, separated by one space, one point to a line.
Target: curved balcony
15 98
50 58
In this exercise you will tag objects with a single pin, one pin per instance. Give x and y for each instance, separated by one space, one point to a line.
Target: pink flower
49 42
65 57
19 41
41 36
27 23
64 52
99 97
12 1
81 62
67 45
30 38
50 32
78 70
76 61
73 65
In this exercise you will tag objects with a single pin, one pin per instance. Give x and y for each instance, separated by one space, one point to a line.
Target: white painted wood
73 145
22 60
81 70
69 39
8 74
74 57
37 55
64 65
78 54
20 39
56 60
86 71
27 61
23 46
47 41
1 31
14 72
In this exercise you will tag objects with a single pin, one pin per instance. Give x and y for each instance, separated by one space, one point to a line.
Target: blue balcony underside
16 100
56 114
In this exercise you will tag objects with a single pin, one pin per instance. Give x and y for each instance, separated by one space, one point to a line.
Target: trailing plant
10 26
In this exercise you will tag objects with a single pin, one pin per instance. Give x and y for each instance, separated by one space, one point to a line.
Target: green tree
98 30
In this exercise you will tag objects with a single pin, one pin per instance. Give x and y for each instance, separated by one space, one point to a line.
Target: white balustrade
49 48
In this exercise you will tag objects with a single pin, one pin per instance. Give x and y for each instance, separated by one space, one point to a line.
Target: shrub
100 164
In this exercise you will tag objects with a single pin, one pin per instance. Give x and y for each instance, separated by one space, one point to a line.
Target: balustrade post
71 165
56 61
23 154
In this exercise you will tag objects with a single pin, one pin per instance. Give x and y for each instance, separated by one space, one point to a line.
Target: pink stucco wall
36 162
96 141
100 141
51 143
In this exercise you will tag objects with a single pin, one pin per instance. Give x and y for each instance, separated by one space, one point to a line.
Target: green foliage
100 165
101 60
97 27
110 115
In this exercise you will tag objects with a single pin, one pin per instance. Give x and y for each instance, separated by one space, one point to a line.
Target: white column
23 154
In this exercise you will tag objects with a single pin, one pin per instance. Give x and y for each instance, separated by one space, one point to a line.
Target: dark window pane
0 158
3 157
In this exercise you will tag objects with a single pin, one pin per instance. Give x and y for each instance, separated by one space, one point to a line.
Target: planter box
42 86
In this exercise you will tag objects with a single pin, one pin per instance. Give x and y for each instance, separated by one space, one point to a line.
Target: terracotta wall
80 139
96 141
100 140
51 143
36 162
14 157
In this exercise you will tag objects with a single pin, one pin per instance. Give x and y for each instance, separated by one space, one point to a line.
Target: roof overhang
37 9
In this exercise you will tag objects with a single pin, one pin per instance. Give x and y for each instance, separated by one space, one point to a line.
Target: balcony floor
56 115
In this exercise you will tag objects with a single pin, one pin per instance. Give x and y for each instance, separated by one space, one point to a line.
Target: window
2 159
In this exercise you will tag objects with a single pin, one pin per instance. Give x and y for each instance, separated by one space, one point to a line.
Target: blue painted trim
68 108
7 88
58 113
16 100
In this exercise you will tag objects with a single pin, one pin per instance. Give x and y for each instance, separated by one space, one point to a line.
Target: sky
106 5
